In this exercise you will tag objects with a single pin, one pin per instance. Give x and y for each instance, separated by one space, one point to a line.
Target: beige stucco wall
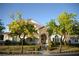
7 37
44 31
40 32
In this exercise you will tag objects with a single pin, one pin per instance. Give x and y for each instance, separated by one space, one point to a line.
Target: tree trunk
60 49
22 43
65 38
22 47
8 50
49 45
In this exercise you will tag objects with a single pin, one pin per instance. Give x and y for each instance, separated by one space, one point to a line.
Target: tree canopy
52 27
1 26
21 26
65 26
75 27
66 22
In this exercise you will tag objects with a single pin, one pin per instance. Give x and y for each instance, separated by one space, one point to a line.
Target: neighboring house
56 38
7 36
74 39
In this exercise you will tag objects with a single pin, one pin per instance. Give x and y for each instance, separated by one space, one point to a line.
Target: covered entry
43 42
43 38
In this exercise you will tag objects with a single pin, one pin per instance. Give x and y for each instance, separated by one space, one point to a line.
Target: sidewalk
45 53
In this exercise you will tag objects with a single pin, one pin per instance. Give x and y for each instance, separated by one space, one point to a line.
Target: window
76 40
14 38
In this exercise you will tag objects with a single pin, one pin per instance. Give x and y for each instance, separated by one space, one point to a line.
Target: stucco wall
7 37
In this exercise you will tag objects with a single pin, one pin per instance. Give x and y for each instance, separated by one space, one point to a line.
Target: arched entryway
43 38
43 41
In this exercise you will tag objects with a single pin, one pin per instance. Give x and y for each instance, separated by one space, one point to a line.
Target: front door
43 41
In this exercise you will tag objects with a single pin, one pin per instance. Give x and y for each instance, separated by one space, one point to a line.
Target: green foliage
75 27
52 27
65 26
66 22
21 26
1 26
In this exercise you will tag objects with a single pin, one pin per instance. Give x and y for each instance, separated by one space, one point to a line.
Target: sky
40 12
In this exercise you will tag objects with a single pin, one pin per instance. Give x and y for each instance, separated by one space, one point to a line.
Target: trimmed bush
1 42
7 42
14 43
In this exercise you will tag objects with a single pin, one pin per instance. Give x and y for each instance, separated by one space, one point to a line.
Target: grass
65 49
18 48
32 48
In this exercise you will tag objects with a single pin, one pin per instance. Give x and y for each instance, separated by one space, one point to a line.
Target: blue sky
41 13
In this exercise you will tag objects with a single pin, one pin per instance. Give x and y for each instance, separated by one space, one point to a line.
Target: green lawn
27 49
18 48
65 49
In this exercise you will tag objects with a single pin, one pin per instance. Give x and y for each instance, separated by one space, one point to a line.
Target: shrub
14 43
7 42
24 43
1 42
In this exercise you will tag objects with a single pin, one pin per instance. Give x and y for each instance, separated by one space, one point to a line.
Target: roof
6 33
36 23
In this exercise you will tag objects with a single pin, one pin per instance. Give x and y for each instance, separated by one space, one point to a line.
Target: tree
75 27
22 28
15 16
1 26
64 28
66 22
52 27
